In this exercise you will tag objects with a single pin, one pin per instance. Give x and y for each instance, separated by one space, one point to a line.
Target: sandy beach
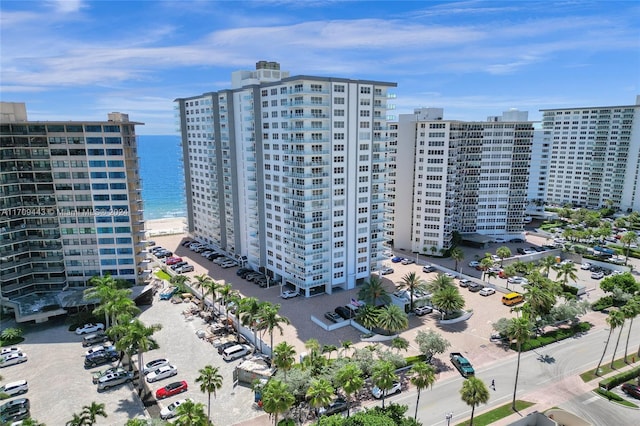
168 226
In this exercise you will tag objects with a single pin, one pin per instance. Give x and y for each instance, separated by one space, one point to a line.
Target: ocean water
162 177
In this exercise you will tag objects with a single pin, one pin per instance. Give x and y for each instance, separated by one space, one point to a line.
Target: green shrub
570 289
602 303
614 381
553 336
609 395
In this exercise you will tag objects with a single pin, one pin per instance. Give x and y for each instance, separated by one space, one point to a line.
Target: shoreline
166 226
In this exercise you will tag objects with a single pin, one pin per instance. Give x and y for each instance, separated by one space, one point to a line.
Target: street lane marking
590 400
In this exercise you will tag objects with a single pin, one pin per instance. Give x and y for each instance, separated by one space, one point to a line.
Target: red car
173 260
172 389
631 390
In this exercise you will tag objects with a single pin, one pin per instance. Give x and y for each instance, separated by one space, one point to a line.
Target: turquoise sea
162 176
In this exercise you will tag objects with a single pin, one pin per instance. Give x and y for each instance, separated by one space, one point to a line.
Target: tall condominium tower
289 174
457 176
71 206
595 156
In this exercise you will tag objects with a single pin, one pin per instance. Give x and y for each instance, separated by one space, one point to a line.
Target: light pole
449 416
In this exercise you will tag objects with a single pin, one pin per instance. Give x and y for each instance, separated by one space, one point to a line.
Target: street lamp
449 416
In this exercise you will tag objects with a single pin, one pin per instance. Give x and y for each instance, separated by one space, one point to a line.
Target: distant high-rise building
71 205
458 176
595 156
289 174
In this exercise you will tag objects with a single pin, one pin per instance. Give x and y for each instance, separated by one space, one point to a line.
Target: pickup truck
462 364
168 294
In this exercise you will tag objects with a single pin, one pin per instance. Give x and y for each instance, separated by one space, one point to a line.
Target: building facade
455 176
71 205
289 175
595 156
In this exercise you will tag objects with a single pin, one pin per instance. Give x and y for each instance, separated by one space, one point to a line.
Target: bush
614 381
602 303
553 336
609 395
570 289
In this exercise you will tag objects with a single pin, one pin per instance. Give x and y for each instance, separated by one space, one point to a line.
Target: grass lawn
163 275
605 368
497 413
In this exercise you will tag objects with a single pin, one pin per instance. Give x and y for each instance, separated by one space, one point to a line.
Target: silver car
162 373
114 379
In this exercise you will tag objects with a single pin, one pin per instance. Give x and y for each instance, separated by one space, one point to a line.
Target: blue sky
73 59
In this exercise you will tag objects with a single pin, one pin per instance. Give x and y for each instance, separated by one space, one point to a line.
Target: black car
520 250
241 271
344 312
186 243
13 414
475 287
178 265
100 358
332 316
337 406
213 256
517 240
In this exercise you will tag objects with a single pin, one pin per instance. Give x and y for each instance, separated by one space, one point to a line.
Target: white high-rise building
595 156
456 176
289 174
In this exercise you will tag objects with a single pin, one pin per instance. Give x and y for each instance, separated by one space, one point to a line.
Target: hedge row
553 336
614 381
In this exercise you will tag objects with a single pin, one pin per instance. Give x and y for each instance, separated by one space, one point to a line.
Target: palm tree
103 289
486 263
383 376
539 300
368 316
457 255
424 376
547 264
210 287
276 398
393 319
225 294
503 252
627 239
270 320
346 345
284 356
249 311
440 282
567 271
473 393
191 413
412 282
519 329
329 349
615 320
448 300
137 338
210 381
90 412
320 393
400 343
632 311
77 420
373 292
349 378
202 281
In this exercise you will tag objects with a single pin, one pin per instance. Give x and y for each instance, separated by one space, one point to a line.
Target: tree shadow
458 327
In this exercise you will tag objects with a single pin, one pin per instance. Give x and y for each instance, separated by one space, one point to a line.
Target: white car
408 261
6 351
287 294
99 349
15 388
474 263
230 264
154 365
170 411
395 388
163 372
500 240
13 358
517 280
89 328
386 271
487 291
585 266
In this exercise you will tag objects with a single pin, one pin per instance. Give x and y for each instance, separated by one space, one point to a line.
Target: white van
234 352
15 388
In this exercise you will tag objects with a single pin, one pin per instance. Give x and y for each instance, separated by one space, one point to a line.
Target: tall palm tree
567 271
486 263
448 300
615 320
439 282
473 393
329 349
210 381
201 281
103 288
627 311
374 293
271 320
519 329
284 356
320 393
424 376
249 311
412 282
225 292
633 310
138 338
276 399
77 420
457 255
346 345
393 319
349 378
90 412
383 376
627 239
190 413
547 263
210 287
503 252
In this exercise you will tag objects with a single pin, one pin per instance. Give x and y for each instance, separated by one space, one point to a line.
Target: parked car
288 294
517 280
172 389
428 268
500 240
185 268
338 405
498 338
186 243
11 350
154 365
214 255
173 260
100 348
170 411
520 250
377 393
474 263
631 390
475 287
89 328
464 282
397 259
344 312
14 413
487 291
423 310
229 264
114 379
162 373
226 345
242 271
597 275
333 317
386 271
101 373
100 358
179 264
408 261
517 240
13 359
168 294
585 266
20 402
15 388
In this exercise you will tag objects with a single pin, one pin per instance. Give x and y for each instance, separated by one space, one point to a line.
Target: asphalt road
548 374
